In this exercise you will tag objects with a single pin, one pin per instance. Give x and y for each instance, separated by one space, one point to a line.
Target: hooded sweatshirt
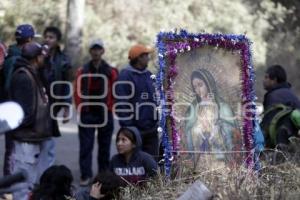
281 94
140 95
140 166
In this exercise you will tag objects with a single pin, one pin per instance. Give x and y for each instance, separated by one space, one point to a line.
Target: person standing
24 34
55 76
29 149
136 104
94 101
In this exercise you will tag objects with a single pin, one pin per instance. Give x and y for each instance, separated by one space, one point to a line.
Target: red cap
137 50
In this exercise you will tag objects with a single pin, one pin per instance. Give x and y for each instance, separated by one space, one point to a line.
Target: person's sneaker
85 182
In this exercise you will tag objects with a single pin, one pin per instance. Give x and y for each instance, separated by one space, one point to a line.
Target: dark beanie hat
33 49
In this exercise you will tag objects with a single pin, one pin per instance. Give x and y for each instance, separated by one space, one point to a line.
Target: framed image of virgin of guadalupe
206 98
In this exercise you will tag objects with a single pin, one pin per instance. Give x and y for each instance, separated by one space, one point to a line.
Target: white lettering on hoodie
130 171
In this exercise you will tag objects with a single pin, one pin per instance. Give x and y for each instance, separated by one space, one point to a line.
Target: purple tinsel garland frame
170 44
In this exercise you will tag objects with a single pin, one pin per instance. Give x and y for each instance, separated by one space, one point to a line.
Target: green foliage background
272 25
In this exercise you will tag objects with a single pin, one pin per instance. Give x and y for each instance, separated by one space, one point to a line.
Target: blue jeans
48 145
7 155
86 144
48 153
31 158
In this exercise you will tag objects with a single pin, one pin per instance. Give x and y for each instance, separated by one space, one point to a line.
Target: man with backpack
281 114
24 34
29 150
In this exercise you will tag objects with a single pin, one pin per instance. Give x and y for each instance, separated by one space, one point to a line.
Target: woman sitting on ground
131 163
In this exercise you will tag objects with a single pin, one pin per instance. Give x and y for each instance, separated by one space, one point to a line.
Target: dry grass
281 181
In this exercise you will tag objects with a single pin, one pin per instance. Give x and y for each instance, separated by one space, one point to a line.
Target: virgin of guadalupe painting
206 84
210 122
208 91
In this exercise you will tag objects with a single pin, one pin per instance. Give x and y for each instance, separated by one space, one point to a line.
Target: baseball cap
137 50
96 42
24 31
34 49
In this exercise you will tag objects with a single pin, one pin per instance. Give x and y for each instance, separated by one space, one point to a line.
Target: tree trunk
75 21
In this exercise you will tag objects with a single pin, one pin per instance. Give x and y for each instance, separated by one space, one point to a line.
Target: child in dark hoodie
131 163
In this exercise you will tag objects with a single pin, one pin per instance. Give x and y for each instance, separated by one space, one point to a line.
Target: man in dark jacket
24 34
94 102
278 92
54 75
136 103
278 89
28 141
